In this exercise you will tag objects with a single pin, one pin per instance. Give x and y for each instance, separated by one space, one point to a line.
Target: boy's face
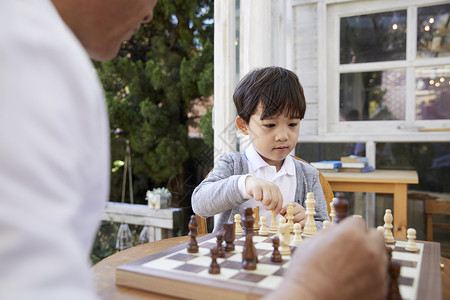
273 138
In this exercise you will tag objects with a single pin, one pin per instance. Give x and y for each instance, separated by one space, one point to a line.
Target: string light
442 79
394 26
427 28
431 81
431 20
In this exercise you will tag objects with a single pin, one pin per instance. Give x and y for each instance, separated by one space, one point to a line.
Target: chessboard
175 272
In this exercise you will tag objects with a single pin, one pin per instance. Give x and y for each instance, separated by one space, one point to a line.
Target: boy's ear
241 125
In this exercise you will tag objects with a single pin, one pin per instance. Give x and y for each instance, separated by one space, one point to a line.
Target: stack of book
355 163
333 165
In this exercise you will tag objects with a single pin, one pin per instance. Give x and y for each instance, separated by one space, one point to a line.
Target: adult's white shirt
54 155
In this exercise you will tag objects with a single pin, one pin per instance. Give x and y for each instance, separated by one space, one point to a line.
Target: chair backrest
436 207
326 187
201 229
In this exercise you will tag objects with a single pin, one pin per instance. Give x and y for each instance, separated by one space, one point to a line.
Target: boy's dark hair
277 89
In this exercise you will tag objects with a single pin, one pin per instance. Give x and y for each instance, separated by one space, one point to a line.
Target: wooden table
104 272
379 181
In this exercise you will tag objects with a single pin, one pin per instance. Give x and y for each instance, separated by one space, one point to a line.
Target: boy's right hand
266 192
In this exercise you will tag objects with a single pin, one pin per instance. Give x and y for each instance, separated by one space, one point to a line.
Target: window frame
406 130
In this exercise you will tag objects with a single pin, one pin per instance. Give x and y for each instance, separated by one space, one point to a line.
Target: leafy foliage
149 87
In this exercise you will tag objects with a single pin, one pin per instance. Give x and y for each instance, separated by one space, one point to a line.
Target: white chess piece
332 210
281 221
297 234
388 218
256 218
411 244
290 216
273 227
310 225
237 221
326 223
285 239
263 228
380 229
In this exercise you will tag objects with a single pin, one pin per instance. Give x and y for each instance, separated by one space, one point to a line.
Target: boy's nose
282 135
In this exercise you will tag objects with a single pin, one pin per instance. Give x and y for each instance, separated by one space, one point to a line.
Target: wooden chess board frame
139 274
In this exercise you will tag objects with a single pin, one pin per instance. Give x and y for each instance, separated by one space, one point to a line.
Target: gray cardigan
219 193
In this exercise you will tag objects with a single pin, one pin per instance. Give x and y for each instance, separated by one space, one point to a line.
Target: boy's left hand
299 213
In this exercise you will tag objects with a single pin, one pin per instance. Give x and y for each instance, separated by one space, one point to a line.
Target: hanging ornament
124 238
144 237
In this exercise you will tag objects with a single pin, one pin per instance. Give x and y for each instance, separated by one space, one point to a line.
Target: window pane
433 93
433 31
374 37
372 95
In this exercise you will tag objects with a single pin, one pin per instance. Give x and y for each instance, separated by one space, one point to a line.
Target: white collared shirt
285 179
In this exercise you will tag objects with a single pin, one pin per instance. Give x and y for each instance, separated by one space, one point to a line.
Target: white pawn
380 229
263 228
297 234
237 221
326 223
411 244
273 227
285 239
388 218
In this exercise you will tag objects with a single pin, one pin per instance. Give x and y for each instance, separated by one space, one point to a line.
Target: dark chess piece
393 290
214 268
220 248
276 255
393 272
192 246
249 254
341 208
229 236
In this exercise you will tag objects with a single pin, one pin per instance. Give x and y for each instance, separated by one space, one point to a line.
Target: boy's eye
293 124
269 125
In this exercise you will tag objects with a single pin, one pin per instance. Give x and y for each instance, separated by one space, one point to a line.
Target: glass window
385 72
433 31
373 95
374 37
433 93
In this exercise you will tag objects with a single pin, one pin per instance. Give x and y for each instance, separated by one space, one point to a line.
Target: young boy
270 104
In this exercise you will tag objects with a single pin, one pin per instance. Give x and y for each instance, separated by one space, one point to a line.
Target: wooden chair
436 207
326 187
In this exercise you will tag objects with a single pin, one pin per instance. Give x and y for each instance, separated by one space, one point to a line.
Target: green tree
149 87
